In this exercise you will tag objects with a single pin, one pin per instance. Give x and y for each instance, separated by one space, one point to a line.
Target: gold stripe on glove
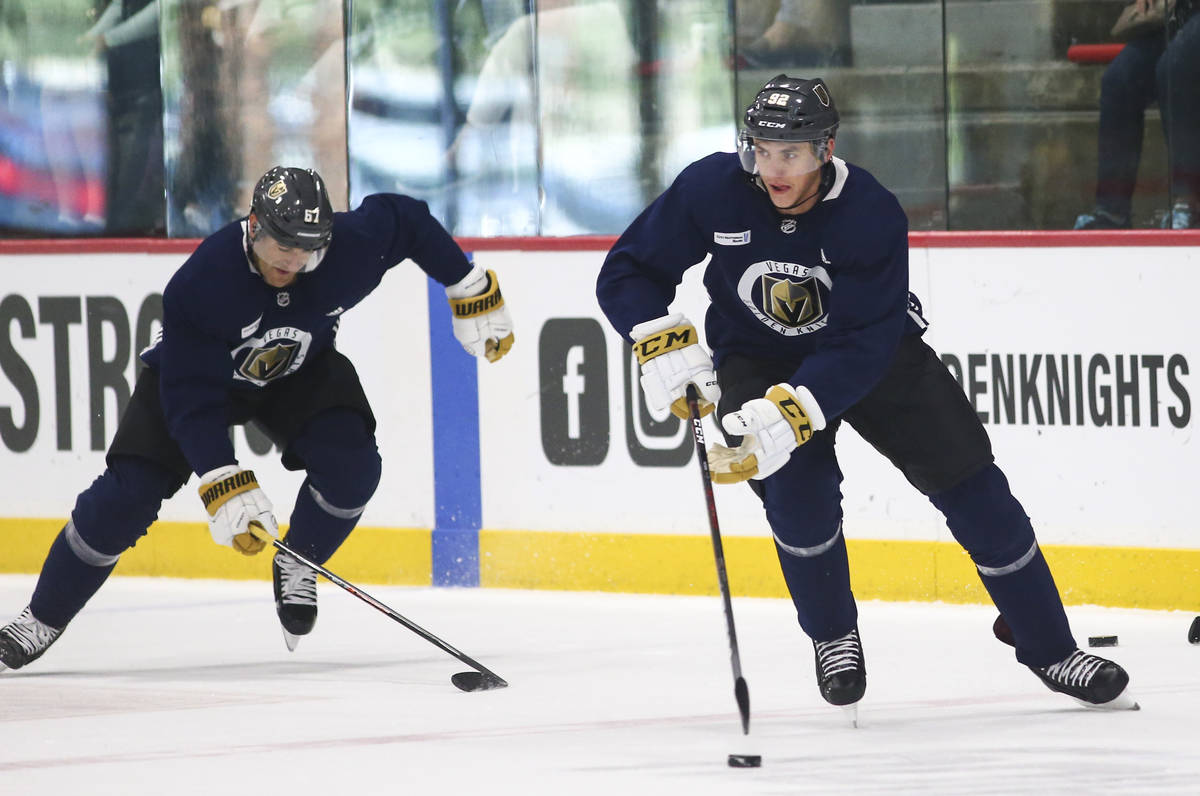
785 400
485 302
217 493
493 349
731 465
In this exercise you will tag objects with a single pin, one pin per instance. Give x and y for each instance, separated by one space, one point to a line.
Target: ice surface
185 687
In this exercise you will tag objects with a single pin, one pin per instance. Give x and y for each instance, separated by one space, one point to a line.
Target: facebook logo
573 384
573 373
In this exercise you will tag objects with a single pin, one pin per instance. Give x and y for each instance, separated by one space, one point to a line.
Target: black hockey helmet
788 109
293 207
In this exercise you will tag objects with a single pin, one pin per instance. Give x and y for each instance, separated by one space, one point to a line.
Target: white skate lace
297 583
839 655
1076 669
31 634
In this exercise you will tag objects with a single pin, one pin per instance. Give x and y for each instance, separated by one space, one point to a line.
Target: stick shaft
741 691
381 607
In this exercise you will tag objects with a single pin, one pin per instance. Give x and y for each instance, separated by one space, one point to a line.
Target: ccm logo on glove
771 428
793 412
671 358
667 340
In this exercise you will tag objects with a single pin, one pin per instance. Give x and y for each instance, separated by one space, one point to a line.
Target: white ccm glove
671 359
772 427
233 501
480 319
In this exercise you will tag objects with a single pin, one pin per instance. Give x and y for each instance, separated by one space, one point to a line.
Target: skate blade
851 713
1122 701
291 639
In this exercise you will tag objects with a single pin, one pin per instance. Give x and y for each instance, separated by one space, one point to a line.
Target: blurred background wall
560 117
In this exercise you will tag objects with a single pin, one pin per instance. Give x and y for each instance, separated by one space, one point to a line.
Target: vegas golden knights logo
264 364
791 303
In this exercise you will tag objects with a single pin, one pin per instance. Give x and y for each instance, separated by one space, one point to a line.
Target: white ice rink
185 687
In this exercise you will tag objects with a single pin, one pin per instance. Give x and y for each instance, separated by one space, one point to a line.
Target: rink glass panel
248 86
516 117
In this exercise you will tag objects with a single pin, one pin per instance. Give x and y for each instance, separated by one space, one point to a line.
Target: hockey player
811 323
249 322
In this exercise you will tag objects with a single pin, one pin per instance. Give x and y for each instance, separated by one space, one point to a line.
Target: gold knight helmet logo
264 364
791 303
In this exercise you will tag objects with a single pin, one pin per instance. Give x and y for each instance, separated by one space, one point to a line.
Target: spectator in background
793 32
127 33
1162 65
51 121
548 120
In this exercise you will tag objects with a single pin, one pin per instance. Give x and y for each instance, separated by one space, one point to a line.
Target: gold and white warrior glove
480 319
772 427
233 501
668 350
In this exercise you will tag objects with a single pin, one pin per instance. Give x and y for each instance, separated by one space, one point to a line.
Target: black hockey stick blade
477 681
741 692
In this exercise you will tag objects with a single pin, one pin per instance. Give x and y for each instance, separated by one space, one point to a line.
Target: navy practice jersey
826 289
225 328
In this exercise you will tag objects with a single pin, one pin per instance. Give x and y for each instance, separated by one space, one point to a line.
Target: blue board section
458 510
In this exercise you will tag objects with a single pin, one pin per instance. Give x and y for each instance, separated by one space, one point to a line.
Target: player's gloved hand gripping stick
233 500
482 679
771 428
671 358
479 318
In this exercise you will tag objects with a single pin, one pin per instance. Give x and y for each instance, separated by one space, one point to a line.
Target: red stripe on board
932 240
99 246
1053 238
1093 53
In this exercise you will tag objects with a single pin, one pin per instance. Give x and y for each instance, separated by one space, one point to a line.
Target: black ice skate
295 597
842 672
1090 680
24 640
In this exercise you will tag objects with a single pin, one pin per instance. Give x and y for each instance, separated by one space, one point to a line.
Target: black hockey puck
1102 641
1194 631
745 761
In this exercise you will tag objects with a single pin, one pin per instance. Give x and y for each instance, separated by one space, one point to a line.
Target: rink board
1078 358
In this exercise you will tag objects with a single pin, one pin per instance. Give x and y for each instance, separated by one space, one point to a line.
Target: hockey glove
771 427
480 319
233 501
671 359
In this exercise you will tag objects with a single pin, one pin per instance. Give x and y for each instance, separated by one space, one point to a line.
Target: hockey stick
482 679
741 692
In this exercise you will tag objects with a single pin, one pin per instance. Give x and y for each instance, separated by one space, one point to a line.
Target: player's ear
829 149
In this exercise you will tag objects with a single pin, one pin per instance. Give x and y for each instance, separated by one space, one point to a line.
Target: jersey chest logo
788 298
791 303
275 354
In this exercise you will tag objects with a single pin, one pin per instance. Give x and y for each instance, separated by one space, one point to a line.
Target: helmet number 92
778 98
